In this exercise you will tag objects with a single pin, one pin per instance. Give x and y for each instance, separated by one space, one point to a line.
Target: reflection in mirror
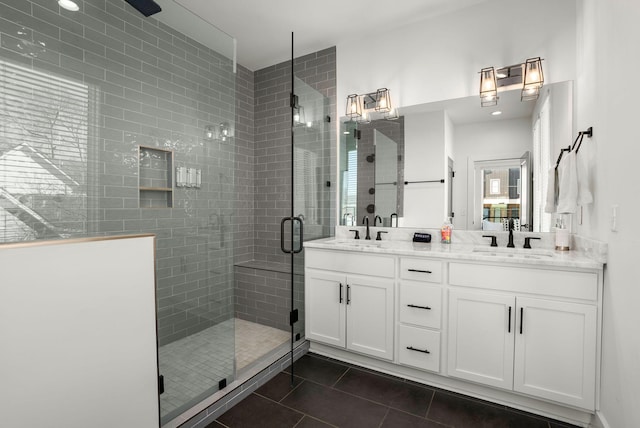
441 145
371 171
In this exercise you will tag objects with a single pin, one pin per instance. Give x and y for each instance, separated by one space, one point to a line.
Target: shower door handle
301 235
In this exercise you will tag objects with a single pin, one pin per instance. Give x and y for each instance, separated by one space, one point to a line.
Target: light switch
614 218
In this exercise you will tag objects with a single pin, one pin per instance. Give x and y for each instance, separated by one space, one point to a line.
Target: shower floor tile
194 365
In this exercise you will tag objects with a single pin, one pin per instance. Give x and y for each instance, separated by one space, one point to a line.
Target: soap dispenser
445 232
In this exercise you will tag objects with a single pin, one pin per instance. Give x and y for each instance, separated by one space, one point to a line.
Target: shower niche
155 178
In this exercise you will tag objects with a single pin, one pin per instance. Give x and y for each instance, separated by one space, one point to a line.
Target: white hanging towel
567 184
584 187
552 191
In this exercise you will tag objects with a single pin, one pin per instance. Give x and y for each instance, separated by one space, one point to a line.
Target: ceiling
263 28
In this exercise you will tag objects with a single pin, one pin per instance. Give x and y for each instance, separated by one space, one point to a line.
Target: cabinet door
555 351
325 299
370 316
481 337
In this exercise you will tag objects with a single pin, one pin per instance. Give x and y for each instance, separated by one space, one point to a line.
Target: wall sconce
361 106
488 87
533 79
528 76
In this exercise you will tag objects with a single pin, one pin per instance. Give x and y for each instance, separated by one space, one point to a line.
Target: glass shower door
312 194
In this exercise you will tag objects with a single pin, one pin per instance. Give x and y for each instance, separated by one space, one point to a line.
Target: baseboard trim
599 421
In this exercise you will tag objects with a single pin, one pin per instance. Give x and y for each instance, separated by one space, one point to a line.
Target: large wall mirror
456 159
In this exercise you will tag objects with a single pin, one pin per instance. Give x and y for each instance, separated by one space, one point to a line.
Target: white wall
502 139
440 58
608 36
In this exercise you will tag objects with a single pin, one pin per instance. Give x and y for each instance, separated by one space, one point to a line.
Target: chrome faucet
510 244
365 220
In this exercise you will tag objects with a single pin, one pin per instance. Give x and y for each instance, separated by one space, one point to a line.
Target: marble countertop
463 251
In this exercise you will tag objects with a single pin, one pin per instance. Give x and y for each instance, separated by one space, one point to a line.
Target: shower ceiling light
69 5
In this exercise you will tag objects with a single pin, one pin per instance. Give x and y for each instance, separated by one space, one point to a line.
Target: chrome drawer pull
420 307
424 351
419 271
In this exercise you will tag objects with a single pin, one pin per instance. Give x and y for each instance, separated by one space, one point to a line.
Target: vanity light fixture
488 87
69 5
360 107
533 79
528 76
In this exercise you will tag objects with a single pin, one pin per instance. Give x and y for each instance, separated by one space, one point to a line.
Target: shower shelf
155 177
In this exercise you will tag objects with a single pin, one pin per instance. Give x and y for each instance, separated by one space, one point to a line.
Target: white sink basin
356 243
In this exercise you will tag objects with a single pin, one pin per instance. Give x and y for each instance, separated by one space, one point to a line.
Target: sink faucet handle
527 241
357 236
494 242
378 236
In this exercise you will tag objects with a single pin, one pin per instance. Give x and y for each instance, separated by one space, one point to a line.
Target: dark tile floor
328 393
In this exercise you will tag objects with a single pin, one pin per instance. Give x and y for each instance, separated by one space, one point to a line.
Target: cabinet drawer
558 283
419 348
341 261
420 269
420 304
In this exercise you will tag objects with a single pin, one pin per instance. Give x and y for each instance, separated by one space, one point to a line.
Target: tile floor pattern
194 365
328 393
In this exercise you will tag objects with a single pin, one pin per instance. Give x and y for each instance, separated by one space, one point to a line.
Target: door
370 316
481 337
312 194
325 307
555 351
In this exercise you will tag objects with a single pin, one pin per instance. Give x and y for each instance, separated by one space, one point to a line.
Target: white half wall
78 334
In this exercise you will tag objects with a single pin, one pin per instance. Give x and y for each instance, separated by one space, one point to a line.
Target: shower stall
112 123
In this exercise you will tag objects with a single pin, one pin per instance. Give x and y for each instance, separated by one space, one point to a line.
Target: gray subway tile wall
263 288
149 85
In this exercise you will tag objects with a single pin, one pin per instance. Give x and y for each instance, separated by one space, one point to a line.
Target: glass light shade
209 132
488 87
533 79
354 108
383 100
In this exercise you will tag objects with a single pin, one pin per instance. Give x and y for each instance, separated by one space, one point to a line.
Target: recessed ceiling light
69 5
496 113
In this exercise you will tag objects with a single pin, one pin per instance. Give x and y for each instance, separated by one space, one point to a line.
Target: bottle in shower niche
445 231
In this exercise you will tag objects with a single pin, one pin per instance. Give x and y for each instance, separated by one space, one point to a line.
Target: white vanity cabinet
420 313
533 331
349 301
